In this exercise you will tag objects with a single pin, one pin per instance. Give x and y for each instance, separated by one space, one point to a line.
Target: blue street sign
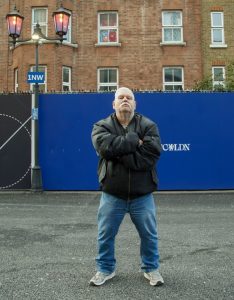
34 113
36 77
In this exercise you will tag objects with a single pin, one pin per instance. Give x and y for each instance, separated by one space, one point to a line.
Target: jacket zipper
129 175
129 172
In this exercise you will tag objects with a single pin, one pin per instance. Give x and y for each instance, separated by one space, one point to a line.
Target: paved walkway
48 247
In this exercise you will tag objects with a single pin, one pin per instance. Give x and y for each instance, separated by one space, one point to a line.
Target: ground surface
48 247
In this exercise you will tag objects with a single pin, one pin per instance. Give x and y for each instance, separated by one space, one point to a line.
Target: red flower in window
112 36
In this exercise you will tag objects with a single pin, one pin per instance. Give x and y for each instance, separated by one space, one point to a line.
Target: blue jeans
110 215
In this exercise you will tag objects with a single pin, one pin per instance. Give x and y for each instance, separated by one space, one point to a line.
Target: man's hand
140 142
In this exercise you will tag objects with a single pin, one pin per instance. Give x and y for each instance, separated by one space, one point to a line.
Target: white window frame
173 83
64 83
41 24
165 26
16 79
68 35
220 82
108 27
219 27
99 84
45 83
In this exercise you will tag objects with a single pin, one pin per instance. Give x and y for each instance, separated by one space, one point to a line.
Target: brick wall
53 55
140 58
5 59
217 56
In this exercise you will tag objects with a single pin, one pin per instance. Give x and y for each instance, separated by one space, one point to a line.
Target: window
172 30
107 27
173 79
217 29
42 86
107 79
40 16
66 86
218 76
16 80
68 35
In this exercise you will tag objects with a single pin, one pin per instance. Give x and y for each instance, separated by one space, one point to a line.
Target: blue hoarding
196 132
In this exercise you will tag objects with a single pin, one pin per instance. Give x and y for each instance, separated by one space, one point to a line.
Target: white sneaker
154 277
99 278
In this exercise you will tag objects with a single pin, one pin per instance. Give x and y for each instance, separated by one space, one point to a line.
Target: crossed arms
134 152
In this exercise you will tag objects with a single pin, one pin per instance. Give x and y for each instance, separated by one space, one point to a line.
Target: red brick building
217 39
145 45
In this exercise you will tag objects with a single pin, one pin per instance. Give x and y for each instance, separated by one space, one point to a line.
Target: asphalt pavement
48 248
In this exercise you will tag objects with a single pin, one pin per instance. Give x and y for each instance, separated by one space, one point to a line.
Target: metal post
36 170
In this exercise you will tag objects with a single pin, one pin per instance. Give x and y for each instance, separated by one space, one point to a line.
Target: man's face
124 101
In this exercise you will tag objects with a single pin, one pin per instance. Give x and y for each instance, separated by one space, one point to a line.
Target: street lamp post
15 22
36 178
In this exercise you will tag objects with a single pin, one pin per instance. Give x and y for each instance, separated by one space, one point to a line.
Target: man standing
129 146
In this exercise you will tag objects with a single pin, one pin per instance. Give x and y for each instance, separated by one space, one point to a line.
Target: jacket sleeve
147 154
109 145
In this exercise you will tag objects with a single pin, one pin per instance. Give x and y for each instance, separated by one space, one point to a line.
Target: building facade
57 61
146 45
217 39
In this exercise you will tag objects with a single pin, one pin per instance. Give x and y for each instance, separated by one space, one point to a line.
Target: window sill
218 45
173 44
74 45
108 45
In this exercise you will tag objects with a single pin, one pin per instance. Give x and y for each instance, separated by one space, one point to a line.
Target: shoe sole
158 283
106 278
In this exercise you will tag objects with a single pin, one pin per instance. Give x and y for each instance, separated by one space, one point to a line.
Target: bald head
124 105
124 90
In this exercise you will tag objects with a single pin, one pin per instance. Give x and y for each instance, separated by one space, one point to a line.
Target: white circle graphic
27 171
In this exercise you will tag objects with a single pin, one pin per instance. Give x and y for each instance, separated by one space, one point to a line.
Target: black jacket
126 169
